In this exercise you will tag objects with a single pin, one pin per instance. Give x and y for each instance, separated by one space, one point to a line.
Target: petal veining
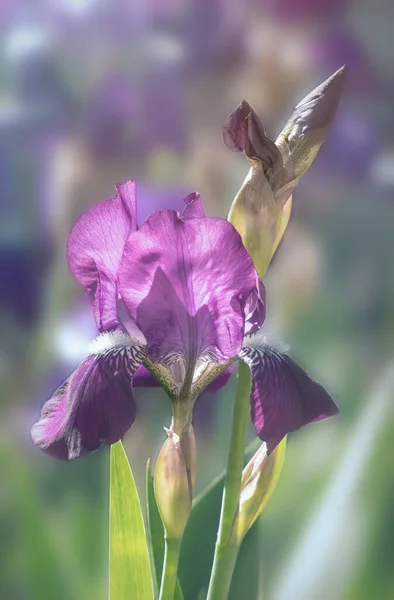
95 249
186 283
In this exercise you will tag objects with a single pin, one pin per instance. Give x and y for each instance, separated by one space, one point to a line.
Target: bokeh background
93 92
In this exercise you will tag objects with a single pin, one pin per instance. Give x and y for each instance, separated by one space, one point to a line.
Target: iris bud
261 210
307 127
174 479
259 479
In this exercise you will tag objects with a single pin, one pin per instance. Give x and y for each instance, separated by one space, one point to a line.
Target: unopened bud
256 214
174 474
256 210
307 127
261 210
259 479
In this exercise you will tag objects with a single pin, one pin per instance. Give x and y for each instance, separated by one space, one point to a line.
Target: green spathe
172 487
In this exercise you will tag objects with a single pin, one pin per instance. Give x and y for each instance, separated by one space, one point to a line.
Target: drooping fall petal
284 397
93 407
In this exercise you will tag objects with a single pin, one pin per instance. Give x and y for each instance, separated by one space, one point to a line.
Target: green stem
222 573
226 549
170 567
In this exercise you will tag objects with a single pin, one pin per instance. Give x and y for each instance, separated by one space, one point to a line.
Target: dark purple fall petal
283 397
95 248
93 407
186 283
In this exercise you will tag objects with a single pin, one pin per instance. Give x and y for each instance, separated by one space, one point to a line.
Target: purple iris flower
178 295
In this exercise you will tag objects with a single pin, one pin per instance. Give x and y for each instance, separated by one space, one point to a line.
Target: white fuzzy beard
111 340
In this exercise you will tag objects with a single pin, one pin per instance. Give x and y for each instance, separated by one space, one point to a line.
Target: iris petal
186 283
95 249
283 396
94 406
193 208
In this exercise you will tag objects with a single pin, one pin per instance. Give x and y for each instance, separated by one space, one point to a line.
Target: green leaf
156 531
130 575
198 543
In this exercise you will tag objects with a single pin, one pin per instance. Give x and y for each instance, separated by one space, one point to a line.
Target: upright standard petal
186 283
283 397
193 208
94 406
95 249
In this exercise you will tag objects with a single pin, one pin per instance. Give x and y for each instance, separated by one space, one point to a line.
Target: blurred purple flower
19 270
163 114
213 33
352 147
336 45
113 105
132 116
177 295
305 9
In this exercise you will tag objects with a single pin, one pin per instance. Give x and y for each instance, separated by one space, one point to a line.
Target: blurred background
93 92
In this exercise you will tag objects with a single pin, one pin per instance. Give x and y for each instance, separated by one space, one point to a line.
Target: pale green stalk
226 549
170 567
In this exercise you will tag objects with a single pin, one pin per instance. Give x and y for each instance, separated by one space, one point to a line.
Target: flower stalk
226 549
171 558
